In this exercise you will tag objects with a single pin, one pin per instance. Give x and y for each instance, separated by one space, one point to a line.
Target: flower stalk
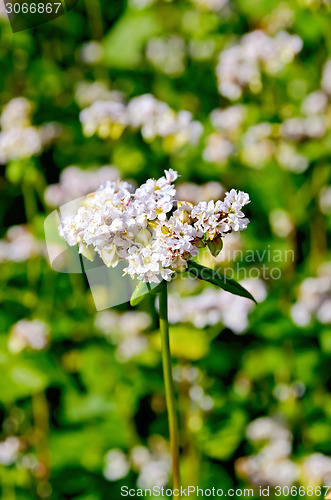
169 386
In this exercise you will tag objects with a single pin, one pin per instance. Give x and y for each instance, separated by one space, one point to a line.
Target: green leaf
139 293
216 278
141 290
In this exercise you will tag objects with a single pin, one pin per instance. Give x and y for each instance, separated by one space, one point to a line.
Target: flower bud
109 255
143 237
89 200
87 251
215 246
184 216
184 203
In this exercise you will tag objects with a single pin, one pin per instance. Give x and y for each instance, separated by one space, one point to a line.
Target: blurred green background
82 406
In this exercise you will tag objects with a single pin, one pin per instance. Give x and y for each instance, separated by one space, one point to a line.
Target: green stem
169 386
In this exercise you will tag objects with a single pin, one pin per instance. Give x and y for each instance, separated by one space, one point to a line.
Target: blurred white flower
87 93
240 66
116 466
9 449
317 469
214 306
218 149
325 200
257 147
19 245
281 223
315 103
28 333
229 118
91 52
18 138
76 182
167 54
289 159
314 300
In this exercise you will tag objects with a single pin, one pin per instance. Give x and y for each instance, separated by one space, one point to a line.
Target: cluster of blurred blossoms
28 334
125 330
110 117
240 65
314 299
120 223
19 139
151 464
213 306
263 142
273 464
75 182
19 245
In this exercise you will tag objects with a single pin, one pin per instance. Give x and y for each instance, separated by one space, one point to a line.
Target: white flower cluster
151 464
153 117
28 333
125 330
240 65
214 306
314 299
273 464
210 5
19 139
122 224
9 449
76 182
87 93
167 55
19 245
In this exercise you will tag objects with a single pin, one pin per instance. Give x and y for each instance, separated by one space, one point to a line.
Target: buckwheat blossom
76 182
19 139
288 158
87 93
281 223
28 333
257 146
308 127
210 5
272 465
168 55
229 118
126 331
213 306
315 103
152 117
9 449
19 245
141 226
151 464
314 299
116 466
218 149
91 52
156 119
240 66
104 118
317 469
